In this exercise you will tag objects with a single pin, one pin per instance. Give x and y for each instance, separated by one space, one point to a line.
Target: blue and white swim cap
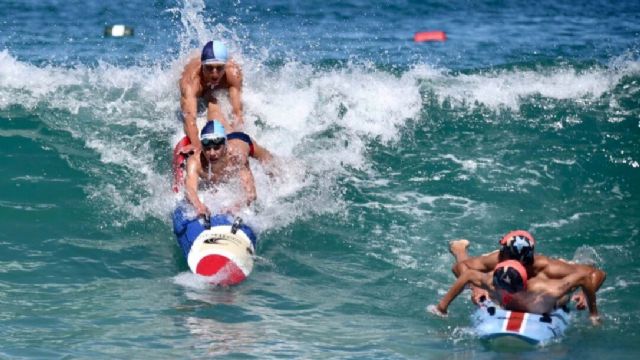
214 52
213 131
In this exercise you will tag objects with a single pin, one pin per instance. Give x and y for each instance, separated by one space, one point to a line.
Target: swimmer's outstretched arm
473 277
191 185
482 263
189 107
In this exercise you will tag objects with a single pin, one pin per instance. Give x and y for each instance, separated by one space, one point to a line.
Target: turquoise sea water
527 117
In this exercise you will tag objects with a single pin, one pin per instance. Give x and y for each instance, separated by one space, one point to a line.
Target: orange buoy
429 36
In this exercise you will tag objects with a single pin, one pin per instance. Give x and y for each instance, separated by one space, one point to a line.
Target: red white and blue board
494 323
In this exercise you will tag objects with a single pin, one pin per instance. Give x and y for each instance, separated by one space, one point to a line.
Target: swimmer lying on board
213 70
509 286
222 158
517 245
200 77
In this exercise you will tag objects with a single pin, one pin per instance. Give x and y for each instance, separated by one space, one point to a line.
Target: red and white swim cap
510 275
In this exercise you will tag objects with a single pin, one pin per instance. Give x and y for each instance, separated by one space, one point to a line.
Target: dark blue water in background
526 117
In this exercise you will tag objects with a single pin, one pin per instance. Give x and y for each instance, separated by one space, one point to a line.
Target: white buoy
118 31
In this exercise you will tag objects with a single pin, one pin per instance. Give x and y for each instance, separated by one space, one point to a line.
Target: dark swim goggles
213 143
210 68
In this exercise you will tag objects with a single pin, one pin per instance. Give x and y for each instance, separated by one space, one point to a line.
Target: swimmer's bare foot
458 248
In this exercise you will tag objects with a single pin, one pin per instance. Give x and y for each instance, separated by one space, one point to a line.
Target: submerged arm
589 280
592 283
558 269
248 183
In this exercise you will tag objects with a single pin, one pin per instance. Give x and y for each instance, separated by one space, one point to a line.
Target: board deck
494 323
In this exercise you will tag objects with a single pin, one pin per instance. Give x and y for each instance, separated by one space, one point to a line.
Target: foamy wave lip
116 112
507 88
26 85
356 100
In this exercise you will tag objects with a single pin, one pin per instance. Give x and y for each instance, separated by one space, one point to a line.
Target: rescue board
493 323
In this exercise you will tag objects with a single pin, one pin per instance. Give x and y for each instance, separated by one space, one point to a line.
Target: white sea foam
470 165
560 222
192 281
507 88
587 255
37 179
26 206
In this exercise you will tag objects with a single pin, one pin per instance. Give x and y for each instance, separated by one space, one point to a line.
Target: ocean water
527 117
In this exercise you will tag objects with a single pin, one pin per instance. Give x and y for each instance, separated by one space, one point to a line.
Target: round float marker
118 31
423 36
